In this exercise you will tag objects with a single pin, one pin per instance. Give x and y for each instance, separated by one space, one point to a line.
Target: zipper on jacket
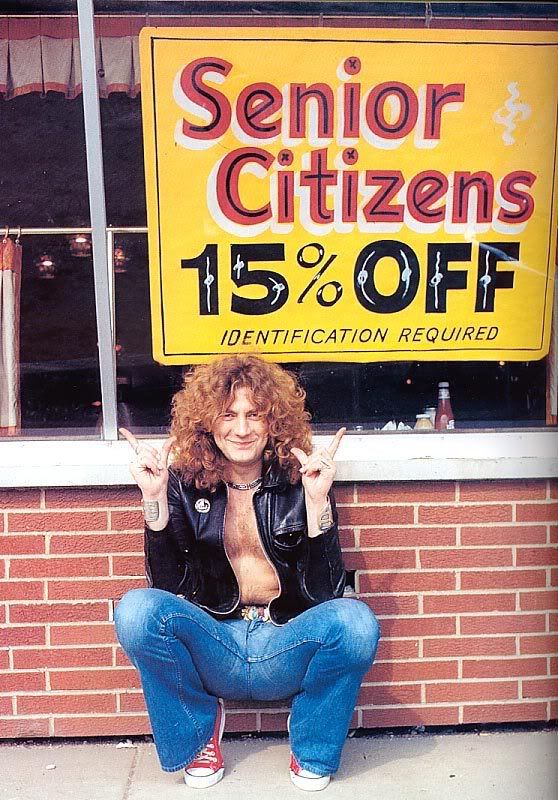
222 535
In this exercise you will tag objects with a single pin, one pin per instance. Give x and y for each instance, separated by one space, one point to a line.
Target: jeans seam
257 659
176 614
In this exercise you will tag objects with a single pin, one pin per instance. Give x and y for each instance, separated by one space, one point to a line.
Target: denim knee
357 629
134 617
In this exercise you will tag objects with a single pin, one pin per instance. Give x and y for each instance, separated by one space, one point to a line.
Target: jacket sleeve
324 573
168 556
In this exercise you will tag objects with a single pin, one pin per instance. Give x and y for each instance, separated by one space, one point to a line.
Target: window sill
382 456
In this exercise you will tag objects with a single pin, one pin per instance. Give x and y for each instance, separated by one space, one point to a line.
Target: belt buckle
250 613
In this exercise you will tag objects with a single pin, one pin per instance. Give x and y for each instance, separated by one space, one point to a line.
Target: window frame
377 456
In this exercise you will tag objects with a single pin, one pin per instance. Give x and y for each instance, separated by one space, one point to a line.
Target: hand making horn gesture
318 469
150 466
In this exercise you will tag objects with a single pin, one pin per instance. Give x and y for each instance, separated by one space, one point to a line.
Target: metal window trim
378 457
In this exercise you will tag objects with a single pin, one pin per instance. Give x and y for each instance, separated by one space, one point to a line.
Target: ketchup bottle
444 414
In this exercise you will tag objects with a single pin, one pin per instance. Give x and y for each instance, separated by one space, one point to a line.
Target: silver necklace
244 486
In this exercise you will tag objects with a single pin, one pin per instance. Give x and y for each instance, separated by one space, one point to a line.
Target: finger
300 455
130 438
336 441
166 448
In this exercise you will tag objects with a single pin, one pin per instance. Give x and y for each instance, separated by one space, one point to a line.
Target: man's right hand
149 469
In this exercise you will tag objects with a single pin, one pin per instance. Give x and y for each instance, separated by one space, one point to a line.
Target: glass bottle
444 414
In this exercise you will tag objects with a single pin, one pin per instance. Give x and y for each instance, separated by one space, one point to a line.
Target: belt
254 612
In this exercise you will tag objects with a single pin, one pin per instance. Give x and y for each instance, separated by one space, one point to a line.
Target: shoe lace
207 754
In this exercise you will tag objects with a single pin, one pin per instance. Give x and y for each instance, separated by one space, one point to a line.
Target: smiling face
241 434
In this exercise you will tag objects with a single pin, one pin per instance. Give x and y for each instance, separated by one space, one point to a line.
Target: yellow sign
350 195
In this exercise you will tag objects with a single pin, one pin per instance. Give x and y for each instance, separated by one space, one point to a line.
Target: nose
242 426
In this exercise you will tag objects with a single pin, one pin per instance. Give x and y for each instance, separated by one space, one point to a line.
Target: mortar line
131 774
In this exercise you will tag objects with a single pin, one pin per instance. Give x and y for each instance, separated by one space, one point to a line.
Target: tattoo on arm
325 518
151 510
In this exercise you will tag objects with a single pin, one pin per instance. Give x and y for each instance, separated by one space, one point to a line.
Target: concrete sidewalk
472 766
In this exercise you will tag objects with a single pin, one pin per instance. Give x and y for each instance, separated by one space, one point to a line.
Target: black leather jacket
188 556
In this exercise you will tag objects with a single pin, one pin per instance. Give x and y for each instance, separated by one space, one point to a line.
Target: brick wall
464 578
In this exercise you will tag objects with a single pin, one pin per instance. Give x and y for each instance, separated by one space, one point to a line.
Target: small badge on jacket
202 505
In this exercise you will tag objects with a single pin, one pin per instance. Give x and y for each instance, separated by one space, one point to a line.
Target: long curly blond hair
207 390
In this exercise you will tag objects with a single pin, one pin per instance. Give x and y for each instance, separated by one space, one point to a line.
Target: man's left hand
318 469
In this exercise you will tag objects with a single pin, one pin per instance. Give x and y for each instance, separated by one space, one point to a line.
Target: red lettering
206 98
424 190
511 193
463 182
378 208
299 95
227 185
255 104
437 96
375 110
318 178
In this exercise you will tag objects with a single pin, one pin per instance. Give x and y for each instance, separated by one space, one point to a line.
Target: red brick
537 556
50 567
83 634
67 704
84 590
506 712
345 493
554 577
385 559
538 601
20 498
5 707
121 658
23 728
397 649
274 722
18 545
408 537
2 613
56 521
392 695
406 492
60 612
237 723
407 717
553 489
504 579
553 534
543 644
459 603
504 534
4 659
1 524
503 623
132 701
13 635
22 682
63 657
94 679
126 520
470 692
537 512
546 687
128 565
458 515
124 725
469 646
418 626
347 538
478 491
392 603
21 590
463 558
406 581
97 497
99 543
412 671
376 515
553 713
503 668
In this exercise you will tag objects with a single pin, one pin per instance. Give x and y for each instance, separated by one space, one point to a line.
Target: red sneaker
309 781
208 767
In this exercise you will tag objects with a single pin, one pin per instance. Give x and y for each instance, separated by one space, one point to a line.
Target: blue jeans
187 659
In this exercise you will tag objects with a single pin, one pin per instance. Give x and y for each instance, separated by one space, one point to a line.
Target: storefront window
44 187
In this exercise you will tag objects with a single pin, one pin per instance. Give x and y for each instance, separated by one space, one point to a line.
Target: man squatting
245 573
